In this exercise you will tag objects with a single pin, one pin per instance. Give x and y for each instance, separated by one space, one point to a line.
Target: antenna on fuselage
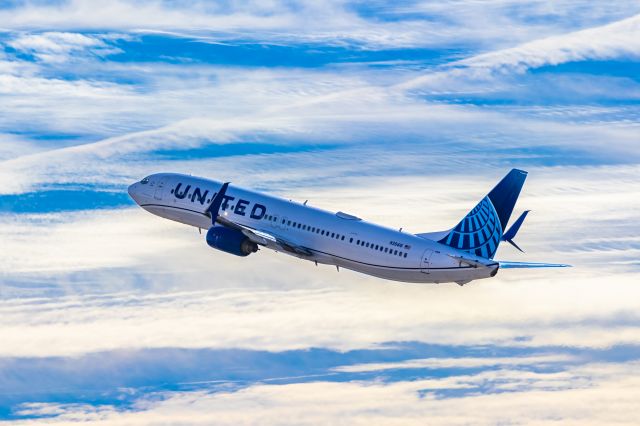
305 202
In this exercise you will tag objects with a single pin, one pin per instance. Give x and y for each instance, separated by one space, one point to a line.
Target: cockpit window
144 181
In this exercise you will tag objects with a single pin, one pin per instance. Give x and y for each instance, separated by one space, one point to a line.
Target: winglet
513 230
214 207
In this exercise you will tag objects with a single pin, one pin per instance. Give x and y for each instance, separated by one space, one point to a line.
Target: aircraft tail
482 229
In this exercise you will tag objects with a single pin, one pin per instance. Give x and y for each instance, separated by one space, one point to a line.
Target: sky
403 113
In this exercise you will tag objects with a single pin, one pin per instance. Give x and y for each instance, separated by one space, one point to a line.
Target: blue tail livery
481 230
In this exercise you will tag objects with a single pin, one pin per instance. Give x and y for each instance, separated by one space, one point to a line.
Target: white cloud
462 362
248 303
351 117
333 22
485 72
161 286
612 41
60 47
12 146
594 394
85 240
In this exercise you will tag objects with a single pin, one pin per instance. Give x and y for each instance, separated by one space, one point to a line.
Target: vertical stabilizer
480 231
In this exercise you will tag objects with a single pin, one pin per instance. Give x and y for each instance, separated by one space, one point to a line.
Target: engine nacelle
230 241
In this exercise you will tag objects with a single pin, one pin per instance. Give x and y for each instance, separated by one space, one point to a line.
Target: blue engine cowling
230 241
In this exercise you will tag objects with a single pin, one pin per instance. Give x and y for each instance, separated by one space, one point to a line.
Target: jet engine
230 241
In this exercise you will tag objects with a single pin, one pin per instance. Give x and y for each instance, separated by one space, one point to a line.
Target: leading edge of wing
265 238
515 265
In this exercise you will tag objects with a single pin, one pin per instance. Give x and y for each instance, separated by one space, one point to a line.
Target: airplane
240 221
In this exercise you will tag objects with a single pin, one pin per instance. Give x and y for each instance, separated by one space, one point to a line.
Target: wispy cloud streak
405 114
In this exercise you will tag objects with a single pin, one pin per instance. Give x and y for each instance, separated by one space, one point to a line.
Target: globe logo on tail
479 232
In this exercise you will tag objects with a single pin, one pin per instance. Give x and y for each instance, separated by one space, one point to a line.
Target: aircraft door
425 264
158 192
284 223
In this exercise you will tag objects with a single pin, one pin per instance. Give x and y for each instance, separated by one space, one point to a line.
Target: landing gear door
425 264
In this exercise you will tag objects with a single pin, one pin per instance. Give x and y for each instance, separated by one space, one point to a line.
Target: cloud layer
404 114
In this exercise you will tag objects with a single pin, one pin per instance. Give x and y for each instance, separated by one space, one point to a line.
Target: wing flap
266 239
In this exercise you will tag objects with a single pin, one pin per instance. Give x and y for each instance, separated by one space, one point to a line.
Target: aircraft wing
513 265
265 238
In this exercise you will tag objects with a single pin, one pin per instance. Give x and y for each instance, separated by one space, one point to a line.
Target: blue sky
405 113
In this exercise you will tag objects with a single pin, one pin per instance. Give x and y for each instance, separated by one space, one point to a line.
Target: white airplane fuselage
329 238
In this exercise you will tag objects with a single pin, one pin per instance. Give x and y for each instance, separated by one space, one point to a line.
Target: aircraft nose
133 191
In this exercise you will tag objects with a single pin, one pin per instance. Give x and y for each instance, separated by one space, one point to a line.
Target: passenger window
350 240
288 223
299 226
386 249
367 245
405 255
342 238
395 252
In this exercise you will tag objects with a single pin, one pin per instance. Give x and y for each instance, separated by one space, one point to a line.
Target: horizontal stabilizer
514 265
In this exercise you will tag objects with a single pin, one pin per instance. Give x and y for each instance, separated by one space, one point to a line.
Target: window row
313 229
338 236
380 248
